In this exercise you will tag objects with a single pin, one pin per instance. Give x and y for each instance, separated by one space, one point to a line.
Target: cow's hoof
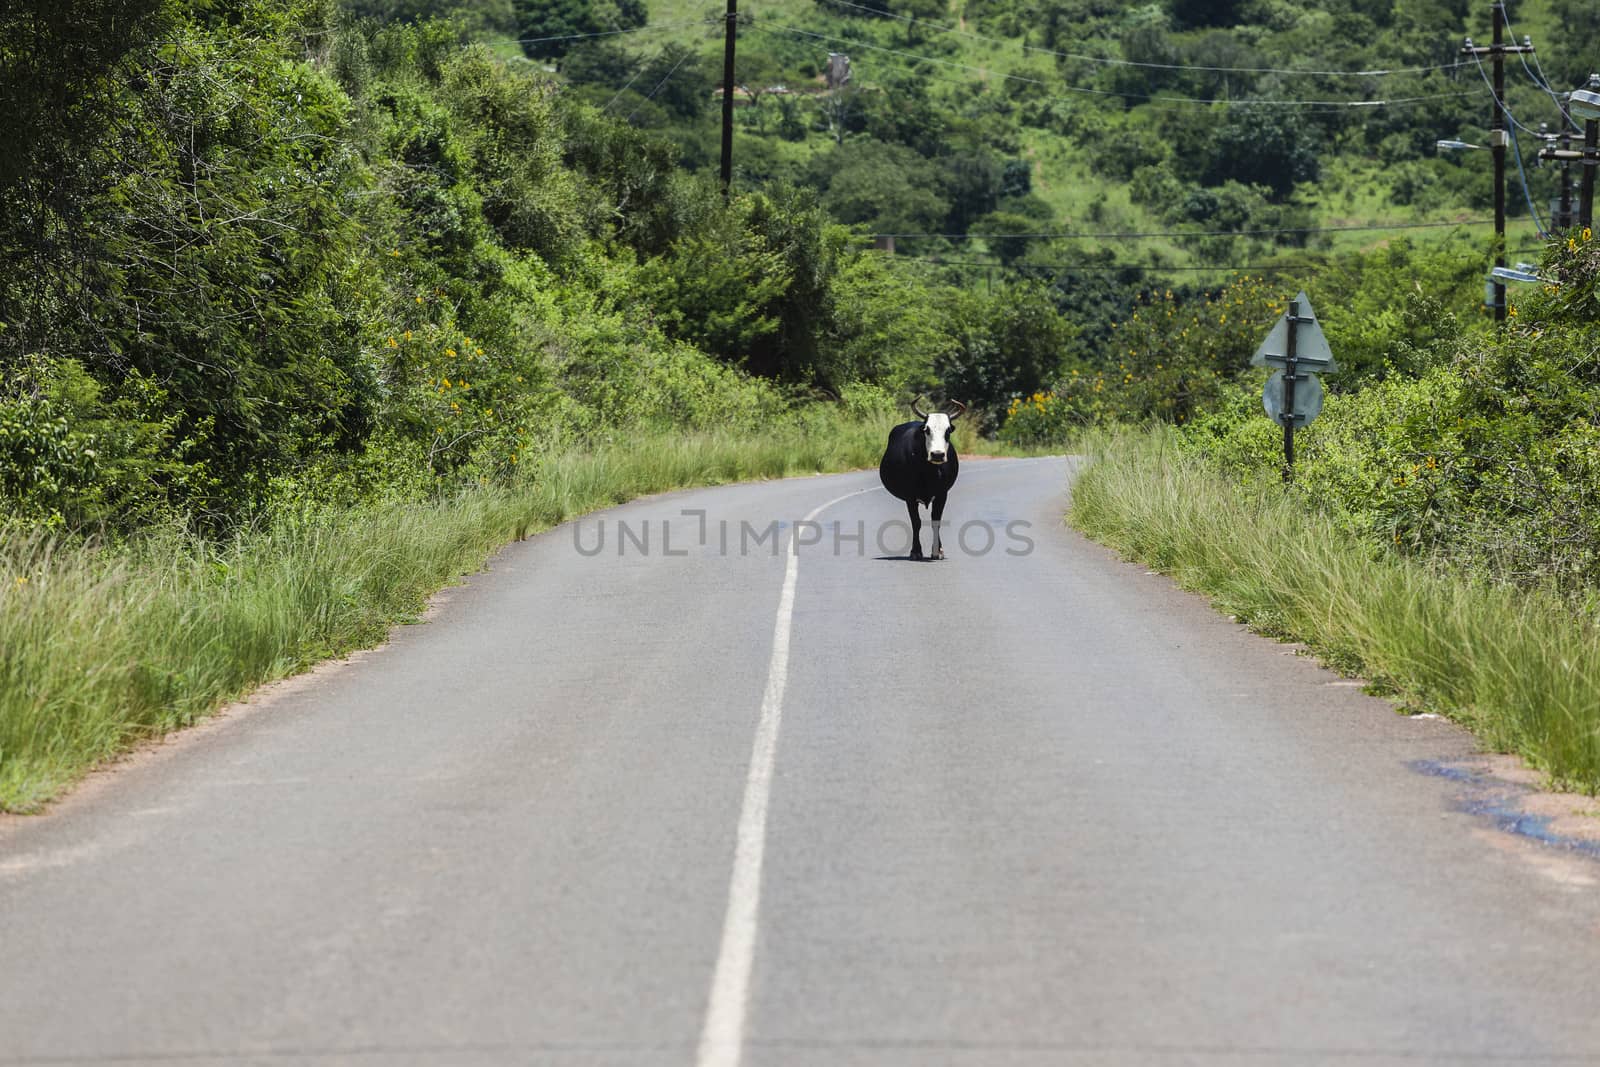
916 553
938 553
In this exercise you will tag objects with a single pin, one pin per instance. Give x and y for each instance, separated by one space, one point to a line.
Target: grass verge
102 648
1514 666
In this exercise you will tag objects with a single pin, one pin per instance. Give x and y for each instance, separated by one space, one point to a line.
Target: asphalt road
718 807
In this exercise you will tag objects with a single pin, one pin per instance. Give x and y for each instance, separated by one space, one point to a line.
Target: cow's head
936 430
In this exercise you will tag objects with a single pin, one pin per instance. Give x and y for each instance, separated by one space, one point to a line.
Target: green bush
1489 458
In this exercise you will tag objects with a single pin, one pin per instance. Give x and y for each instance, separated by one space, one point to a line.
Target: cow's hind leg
938 521
916 528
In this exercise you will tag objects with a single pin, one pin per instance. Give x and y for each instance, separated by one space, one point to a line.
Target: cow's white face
936 437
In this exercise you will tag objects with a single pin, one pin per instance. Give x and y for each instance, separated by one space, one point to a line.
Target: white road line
722 1036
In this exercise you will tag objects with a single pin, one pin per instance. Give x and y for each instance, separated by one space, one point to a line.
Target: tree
888 187
1261 146
972 182
756 74
1012 344
1190 13
678 80
547 29
921 17
1000 228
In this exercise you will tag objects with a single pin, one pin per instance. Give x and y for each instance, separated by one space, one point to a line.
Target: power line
664 78
1504 107
1539 78
645 63
1522 174
1195 233
1146 267
610 33
1152 66
1322 104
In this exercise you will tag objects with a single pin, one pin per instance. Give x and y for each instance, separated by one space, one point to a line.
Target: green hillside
1107 118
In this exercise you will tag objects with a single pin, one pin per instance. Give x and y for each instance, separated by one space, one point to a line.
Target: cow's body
908 472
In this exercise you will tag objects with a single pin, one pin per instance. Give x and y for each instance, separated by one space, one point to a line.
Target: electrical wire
1196 233
1320 104
1538 223
1505 109
1117 267
642 67
610 33
1522 174
664 79
1152 66
1539 79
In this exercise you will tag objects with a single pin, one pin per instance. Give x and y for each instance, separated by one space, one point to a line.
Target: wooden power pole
1499 137
729 36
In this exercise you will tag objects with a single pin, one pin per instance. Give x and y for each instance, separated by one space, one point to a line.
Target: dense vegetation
271 267
253 252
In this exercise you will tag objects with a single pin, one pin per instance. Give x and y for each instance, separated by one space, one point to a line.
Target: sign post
1293 395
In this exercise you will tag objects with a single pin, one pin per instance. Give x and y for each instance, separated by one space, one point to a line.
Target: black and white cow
920 466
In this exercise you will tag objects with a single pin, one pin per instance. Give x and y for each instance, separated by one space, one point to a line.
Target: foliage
1171 360
1499 659
1010 345
288 260
546 28
100 648
1486 459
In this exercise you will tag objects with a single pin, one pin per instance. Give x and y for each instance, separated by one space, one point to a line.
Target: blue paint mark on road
1499 802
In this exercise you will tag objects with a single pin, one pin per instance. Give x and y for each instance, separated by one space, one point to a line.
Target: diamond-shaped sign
1307 398
1311 351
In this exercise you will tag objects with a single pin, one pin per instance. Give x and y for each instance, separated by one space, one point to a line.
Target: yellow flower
446 382
393 343
450 352
21 580
407 335
394 251
419 299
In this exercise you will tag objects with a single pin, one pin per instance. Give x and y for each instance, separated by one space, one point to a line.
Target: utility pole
1585 104
1591 160
1498 137
729 35
1291 367
1558 148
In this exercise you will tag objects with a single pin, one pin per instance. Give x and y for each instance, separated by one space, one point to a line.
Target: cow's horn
960 408
918 412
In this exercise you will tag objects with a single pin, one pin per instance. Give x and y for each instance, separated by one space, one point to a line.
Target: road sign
1311 351
1307 397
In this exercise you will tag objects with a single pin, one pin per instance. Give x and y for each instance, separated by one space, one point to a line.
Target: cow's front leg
938 521
916 529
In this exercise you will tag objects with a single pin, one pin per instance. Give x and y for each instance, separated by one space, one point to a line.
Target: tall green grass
1517 667
103 647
